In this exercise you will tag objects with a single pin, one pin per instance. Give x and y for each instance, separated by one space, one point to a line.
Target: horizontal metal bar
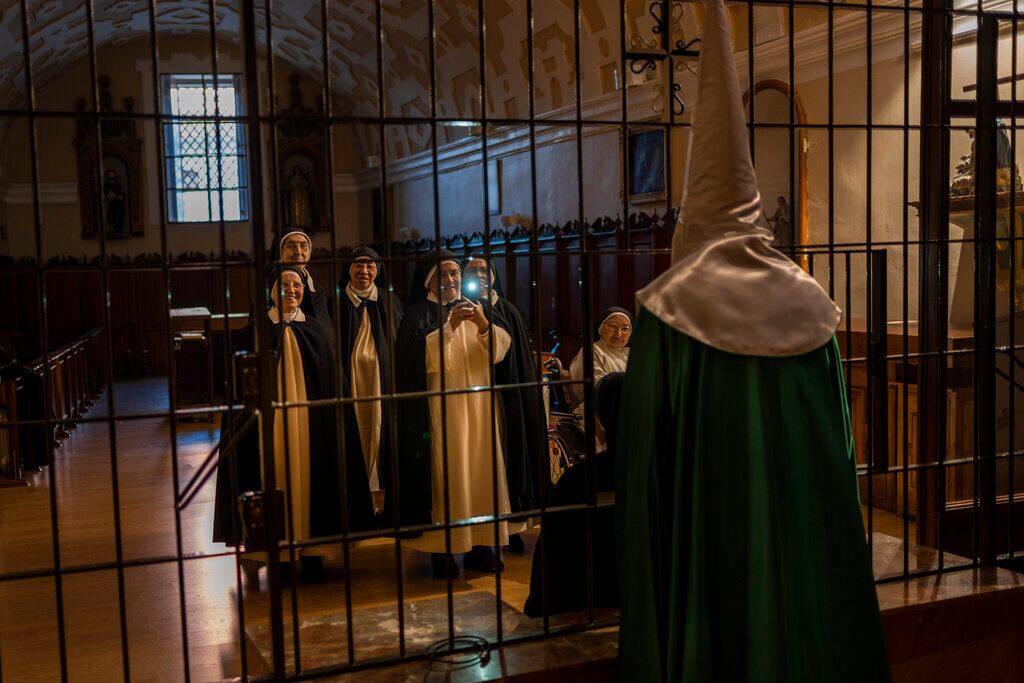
202 474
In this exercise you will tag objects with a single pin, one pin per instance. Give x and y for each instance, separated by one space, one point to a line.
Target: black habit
559 570
240 470
385 316
415 453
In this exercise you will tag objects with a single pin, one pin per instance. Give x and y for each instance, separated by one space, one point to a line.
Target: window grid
205 159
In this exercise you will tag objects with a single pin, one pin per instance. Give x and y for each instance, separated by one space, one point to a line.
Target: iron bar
985 290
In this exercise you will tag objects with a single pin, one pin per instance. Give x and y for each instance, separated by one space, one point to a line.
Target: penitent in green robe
742 551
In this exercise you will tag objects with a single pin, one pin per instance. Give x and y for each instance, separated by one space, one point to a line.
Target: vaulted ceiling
58 37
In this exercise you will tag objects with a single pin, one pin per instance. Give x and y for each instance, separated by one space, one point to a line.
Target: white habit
606 361
470 439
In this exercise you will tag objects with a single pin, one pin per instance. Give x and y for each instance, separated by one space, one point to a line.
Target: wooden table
192 330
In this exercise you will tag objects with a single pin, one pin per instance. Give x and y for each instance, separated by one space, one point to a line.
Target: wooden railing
72 377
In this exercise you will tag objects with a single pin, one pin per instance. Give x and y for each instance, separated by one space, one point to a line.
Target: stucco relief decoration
58 38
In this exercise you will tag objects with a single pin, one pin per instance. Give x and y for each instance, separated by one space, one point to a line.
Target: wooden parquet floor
152 635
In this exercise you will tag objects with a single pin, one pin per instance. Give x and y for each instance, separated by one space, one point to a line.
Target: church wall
461 195
128 67
850 168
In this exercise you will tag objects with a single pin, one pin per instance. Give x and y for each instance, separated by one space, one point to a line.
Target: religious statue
114 204
779 222
298 200
111 171
1007 173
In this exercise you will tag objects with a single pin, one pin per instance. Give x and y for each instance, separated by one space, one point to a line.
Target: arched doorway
773 162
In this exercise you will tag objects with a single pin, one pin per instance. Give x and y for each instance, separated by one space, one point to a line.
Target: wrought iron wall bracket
647 54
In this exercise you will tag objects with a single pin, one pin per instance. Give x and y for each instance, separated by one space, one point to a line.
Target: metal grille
937 398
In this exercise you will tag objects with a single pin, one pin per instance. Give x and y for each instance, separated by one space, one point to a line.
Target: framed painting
645 164
494 187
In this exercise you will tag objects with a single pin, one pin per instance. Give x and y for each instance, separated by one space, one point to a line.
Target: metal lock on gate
253 508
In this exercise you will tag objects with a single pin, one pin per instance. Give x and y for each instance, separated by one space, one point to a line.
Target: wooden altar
901 411
961 215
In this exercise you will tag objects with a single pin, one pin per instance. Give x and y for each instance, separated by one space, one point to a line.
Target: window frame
171 140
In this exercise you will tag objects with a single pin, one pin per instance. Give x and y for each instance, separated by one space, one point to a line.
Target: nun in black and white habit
439 318
295 248
368 319
306 453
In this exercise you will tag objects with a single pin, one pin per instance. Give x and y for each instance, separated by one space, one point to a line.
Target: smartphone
471 289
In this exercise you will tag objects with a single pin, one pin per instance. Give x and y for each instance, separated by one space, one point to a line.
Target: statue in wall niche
114 204
780 223
304 174
298 196
111 171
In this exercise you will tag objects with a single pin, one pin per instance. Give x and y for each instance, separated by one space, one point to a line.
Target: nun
558 578
295 248
445 339
369 318
614 327
305 440
524 428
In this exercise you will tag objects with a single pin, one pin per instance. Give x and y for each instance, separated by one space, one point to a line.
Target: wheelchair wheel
559 457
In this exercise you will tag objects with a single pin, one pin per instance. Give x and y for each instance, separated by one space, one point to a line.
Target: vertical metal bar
985 286
44 342
624 126
393 414
905 262
492 391
1012 313
537 274
878 397
112 422
751 125
933 286
431 17
266 364
206 148
290 486
225 278
795 209
878 368
586 295
339 410
831 152
848 311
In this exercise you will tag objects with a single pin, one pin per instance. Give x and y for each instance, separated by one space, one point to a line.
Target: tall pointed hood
727 287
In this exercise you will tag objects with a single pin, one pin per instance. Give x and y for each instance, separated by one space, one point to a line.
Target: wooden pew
75 376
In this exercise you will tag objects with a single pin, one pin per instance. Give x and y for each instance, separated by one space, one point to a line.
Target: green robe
743 555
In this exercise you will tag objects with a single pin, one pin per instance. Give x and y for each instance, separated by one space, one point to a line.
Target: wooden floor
29 644
152 634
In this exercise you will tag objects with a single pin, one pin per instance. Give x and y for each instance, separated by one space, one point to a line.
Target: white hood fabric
727 287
